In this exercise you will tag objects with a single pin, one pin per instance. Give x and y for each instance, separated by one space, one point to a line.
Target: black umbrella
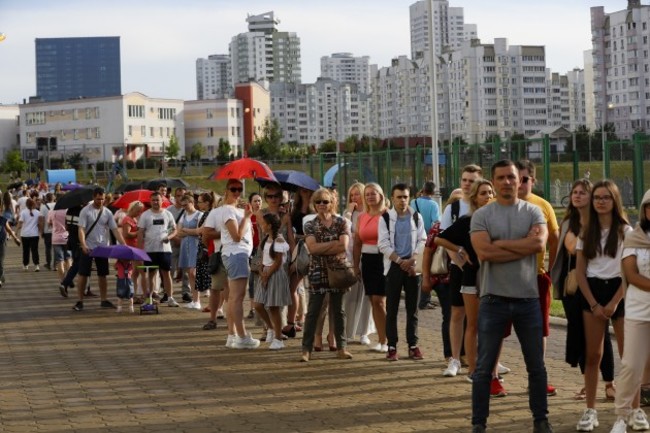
129 186
171 182
78 197
15 185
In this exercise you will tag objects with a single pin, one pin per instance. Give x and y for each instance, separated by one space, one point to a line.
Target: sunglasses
273 195
322 202
235 189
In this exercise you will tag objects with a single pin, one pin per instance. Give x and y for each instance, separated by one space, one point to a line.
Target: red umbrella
143 195
244 168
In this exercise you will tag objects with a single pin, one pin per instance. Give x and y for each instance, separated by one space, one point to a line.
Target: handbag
440 262
571 280
214 263
341 275
301 258
256 261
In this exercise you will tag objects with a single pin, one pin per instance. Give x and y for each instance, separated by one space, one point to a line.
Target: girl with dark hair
30 225
272 288
601 289
575 219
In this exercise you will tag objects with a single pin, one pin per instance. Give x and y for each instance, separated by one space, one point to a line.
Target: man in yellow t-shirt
527 177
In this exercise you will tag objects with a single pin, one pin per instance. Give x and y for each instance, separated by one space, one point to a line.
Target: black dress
203 278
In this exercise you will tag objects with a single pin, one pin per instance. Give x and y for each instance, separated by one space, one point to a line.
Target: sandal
580 395
610 392
210 325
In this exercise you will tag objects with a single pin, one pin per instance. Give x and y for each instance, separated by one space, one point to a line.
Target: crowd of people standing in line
495 232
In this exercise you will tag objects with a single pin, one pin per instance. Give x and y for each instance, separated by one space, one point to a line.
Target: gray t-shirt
516 279
157 226
98 236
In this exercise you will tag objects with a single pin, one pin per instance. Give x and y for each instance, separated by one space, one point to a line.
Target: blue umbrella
123 252
291 180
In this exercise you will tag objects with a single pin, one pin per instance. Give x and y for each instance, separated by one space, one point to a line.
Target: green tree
14 161
328 146
350 144
269 140
197 151
223 152
173 148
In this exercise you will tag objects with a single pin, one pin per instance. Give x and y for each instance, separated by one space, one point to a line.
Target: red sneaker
550 390
415 353
392 354
496 389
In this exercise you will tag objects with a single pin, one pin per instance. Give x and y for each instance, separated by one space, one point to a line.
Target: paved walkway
97 371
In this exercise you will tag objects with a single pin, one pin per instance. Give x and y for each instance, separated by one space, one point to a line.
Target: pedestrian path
99 371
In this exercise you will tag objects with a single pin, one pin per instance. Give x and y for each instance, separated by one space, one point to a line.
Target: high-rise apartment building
68 68
214 77
621 67
325 110
346 68
448 23
264 53
566 105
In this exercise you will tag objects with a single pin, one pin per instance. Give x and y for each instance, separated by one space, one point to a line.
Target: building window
143 131
166 113
36 118
136 111
97 134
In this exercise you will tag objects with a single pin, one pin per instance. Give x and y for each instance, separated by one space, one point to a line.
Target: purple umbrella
71 186
123 252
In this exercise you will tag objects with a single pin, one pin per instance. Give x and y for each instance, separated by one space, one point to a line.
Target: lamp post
433 102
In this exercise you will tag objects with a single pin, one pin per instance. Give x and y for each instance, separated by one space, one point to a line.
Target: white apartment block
590 101
566 99
264 53
208 121
9 128
214 77
449 28
497 89
345 68
621 67
325 110
104 129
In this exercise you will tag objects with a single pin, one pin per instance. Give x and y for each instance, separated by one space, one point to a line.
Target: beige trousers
635 365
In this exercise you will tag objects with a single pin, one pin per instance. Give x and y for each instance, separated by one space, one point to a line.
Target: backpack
301 258
455 211
416 218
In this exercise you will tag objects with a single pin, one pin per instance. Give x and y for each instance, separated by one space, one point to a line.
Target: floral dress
318 282
203 277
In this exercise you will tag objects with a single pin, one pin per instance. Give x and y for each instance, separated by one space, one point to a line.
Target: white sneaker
588 421
171 302
276 344
131 309
620 426
230 341
638 420
502 369
25 268
381 348
364 340
37 269
270 336
453 368
118 309
246 342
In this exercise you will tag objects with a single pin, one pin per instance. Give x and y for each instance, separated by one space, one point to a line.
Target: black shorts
86 263
455 283
162 260
603 291
372 274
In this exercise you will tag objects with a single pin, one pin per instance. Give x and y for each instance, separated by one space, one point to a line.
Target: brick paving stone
95 370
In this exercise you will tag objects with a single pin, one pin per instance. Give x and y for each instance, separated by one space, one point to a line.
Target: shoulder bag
570 281
340 275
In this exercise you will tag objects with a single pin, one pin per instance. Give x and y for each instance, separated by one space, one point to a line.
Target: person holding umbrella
95 221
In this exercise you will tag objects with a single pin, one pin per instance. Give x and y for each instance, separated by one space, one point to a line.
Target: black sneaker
78 306
542 426
164 299
63 290
186 298
106 304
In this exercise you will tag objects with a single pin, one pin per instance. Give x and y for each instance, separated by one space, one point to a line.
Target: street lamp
433 102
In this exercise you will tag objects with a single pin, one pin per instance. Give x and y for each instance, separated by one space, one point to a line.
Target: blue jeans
495 312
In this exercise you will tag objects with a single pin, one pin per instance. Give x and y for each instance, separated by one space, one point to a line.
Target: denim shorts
124 288
237 266
61 253
468 290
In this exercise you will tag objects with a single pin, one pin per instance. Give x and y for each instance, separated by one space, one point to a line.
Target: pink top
133 228
368 228
56 219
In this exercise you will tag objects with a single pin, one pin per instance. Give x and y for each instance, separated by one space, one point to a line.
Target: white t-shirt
445 220
157 226
229 246
212 221
30 223
637 301
280 247
603 266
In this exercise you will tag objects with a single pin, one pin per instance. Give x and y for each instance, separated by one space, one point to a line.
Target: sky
161 40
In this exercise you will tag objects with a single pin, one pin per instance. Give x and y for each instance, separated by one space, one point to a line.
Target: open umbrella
78 197
123 252
171 182
291 180
244 168
143 195
129 186
15 185
71 186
